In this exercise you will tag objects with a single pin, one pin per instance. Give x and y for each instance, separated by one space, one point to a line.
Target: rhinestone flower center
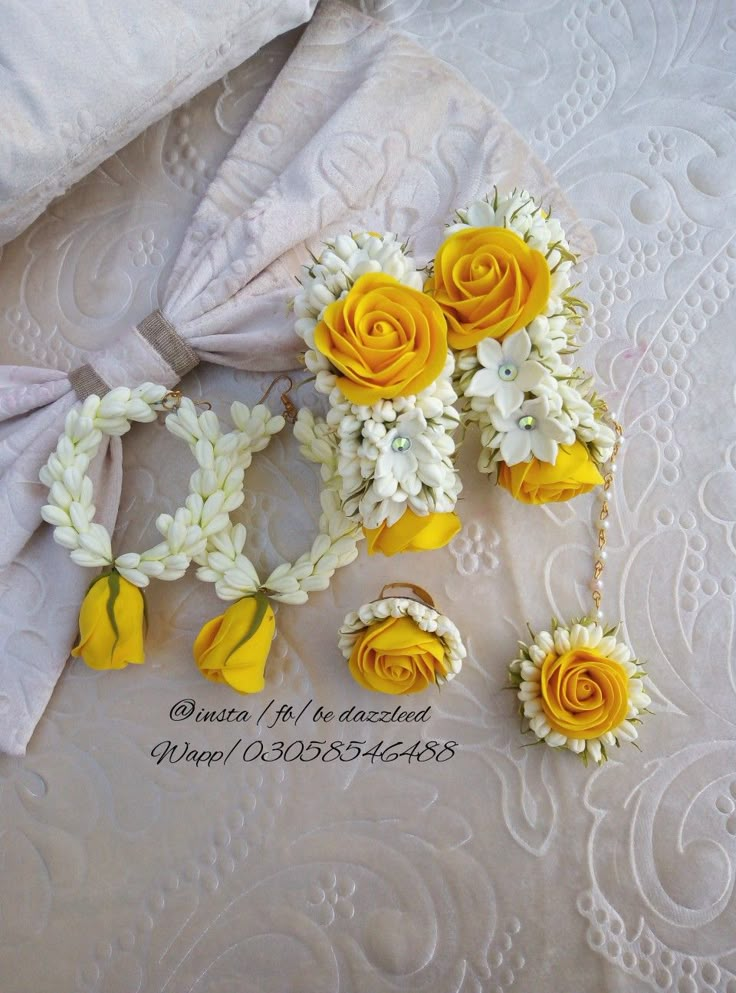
401 444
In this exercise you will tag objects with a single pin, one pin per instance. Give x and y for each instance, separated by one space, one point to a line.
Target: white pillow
81 78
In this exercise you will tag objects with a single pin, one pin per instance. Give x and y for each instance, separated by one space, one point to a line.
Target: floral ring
400 644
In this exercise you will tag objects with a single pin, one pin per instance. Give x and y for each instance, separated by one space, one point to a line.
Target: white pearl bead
596 584
609 495
603 555
605 525
613 468
599 615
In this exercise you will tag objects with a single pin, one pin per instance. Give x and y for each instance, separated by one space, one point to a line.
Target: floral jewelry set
405 357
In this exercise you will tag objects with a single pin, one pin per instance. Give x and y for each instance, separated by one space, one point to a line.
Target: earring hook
290 411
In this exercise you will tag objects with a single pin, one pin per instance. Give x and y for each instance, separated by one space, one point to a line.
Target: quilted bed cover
506 869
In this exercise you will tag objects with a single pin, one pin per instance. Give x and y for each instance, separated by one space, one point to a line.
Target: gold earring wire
172 401
290 411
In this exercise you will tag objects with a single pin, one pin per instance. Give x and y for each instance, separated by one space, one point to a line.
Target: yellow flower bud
573 473
111 624
233 647
412 533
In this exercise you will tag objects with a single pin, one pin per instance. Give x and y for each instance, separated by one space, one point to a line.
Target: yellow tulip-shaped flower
233 647
412 533
573 473
111 624
396 656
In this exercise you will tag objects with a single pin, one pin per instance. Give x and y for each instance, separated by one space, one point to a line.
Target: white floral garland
425 617
524 398
215 489
223 562
395 454
525 673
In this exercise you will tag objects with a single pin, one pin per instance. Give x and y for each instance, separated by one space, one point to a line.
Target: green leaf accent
102 575
114 592
261 608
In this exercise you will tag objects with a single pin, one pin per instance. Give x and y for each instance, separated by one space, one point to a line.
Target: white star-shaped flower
531 431
507 371
407 457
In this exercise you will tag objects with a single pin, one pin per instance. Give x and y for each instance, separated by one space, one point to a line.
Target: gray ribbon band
85 381
163 337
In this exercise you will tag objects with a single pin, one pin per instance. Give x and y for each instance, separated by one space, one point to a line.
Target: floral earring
377 346
233 647
503 277
112 618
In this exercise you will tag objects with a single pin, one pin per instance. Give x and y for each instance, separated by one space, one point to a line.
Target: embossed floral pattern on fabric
348 875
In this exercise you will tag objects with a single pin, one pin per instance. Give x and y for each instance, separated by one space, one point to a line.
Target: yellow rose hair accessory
233 647
401 645
579 688
377 346
503 277
112 613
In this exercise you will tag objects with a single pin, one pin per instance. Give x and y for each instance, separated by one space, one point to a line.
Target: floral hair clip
503 278
377 345
401 644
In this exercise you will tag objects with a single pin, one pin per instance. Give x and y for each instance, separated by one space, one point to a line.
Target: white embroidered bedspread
503 868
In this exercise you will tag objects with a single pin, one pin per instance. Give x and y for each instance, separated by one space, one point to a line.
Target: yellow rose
233 647
412 533
396 656
111 623
489 283
583 694
573 473
386 339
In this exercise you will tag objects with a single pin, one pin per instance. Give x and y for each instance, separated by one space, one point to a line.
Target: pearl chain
601 555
